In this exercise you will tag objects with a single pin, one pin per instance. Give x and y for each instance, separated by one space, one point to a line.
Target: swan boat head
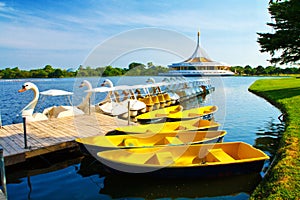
107 82
86 83
27 111
85 104
29 86
150 80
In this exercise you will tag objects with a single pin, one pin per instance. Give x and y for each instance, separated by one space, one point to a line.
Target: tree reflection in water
269 137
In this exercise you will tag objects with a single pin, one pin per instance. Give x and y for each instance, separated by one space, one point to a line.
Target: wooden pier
52 135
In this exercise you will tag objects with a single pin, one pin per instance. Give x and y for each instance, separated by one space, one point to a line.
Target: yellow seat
155 99
131 143
161 158
221 155
167 97
174 140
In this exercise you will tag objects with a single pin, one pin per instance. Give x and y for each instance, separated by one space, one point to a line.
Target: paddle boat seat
220 155
131 143
194 114
180 128
161 158
173 140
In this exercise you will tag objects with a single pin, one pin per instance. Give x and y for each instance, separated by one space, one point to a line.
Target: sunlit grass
283 180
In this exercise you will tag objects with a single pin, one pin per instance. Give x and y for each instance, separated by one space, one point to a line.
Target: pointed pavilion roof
198 58
198 55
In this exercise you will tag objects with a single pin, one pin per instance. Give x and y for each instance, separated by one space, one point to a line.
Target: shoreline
283 177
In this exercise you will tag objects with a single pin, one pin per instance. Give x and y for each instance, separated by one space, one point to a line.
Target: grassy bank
283 179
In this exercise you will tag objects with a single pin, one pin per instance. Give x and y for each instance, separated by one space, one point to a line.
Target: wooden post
0 121
25 133
2 172
90 106
128 111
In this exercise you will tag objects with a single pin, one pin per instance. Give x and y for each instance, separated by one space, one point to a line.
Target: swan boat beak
81 85
23 89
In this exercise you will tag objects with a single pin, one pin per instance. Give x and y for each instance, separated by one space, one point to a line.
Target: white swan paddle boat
168 93
149 96
117 100
85 105
51 112
27 111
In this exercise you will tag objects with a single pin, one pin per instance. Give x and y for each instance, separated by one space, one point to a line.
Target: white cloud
23 37
3 6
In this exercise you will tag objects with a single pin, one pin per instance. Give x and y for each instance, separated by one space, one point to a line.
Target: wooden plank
52 135
14 159
67 129
7 132
51 129
20 138
42 132
8 146
87 126
49 149
9 139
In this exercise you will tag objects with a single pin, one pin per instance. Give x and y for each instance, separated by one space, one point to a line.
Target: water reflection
43 165
268 137
153 188
194 188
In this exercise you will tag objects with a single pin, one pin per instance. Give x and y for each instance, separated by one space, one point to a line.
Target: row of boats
139 99
120 100
180 144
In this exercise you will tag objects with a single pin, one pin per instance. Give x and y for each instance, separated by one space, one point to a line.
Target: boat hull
187 125
94 144
189 161
191 172
175 113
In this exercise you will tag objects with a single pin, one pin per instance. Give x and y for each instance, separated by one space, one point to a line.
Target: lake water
243 115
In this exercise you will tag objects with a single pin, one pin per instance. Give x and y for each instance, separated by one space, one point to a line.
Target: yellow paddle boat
176 113
186 161
187 125
94 144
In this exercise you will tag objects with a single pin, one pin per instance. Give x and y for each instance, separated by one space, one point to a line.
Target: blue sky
63 33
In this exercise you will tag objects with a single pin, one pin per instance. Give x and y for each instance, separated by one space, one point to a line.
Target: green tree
285 40
277 70
8 73
38 73
134 64
150 64
260 70
237 69
248 70
100 70
48 69
58 73
82 73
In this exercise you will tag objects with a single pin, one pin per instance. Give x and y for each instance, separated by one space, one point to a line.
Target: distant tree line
134 69
46 72
260 70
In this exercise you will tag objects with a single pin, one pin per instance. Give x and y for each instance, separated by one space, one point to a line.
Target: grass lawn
283 179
